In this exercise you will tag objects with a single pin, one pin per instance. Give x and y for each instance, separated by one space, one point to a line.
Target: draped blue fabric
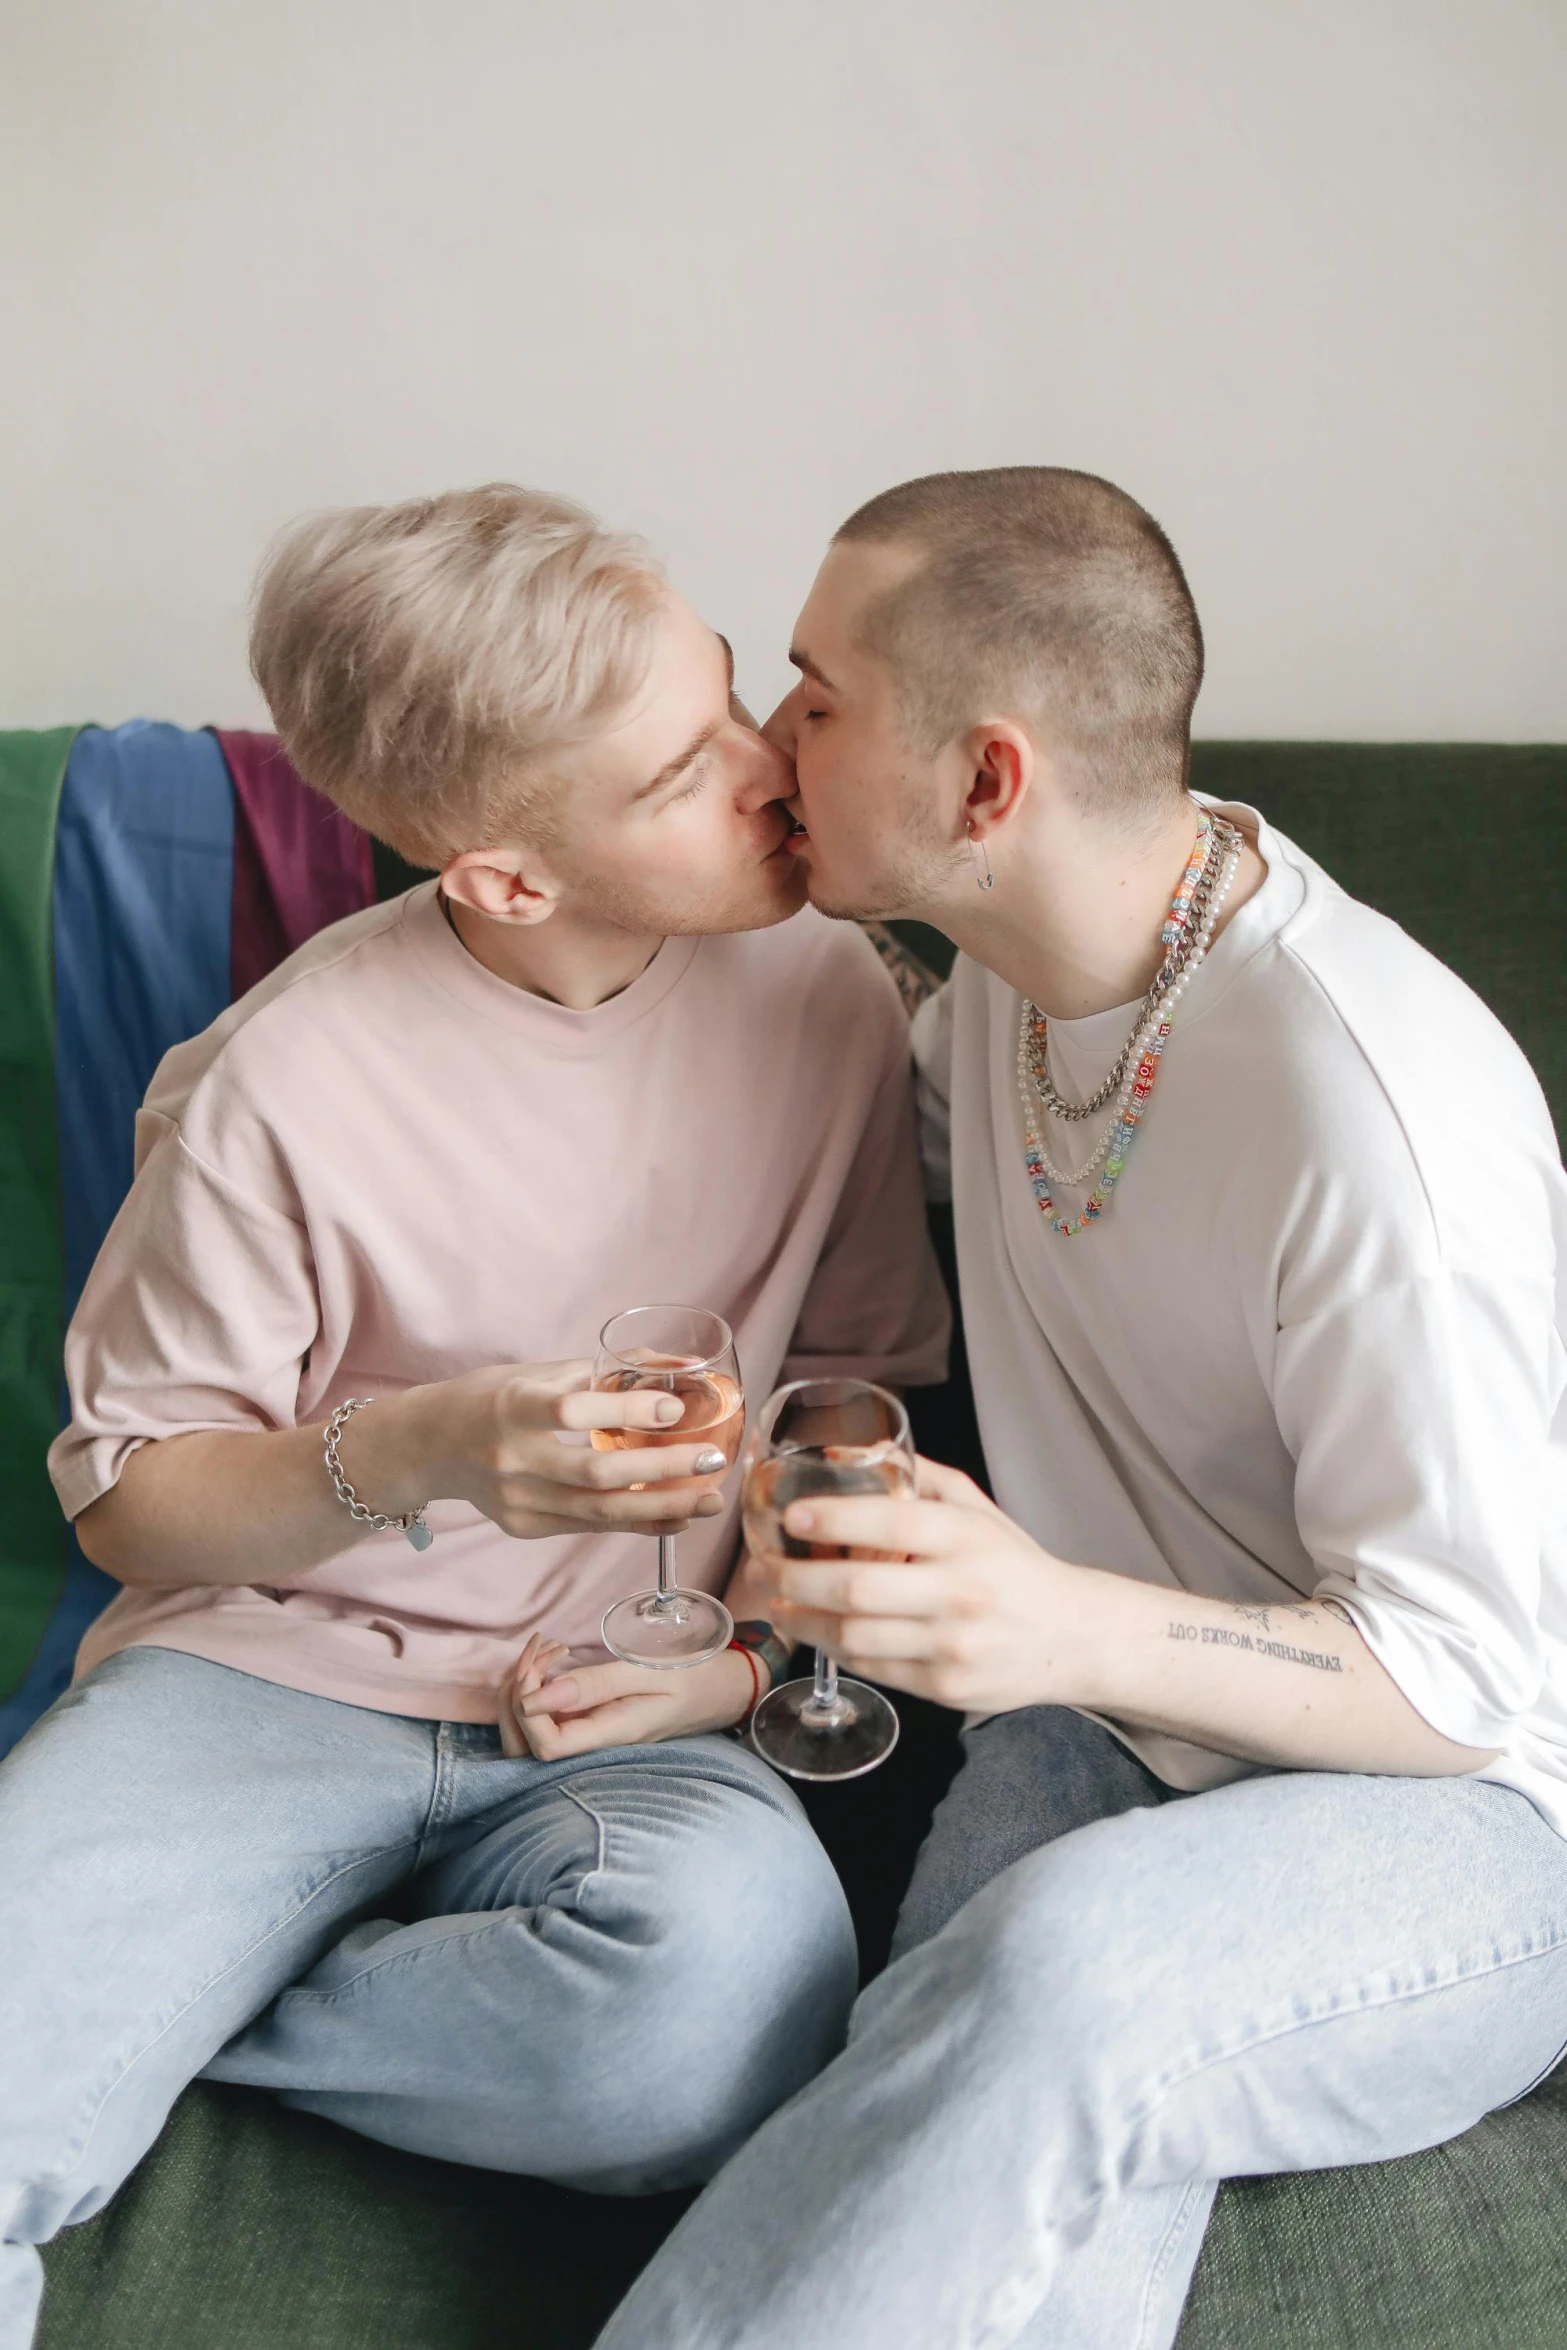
143 887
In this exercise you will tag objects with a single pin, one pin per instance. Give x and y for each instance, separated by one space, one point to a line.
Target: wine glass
685 1352
823 1436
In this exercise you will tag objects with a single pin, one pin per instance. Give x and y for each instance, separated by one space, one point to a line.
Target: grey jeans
604 1972
1104 1999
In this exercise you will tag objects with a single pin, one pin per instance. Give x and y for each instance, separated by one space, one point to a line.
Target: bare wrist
1088 1667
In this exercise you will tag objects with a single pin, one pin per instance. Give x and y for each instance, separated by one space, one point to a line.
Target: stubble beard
908 884
756 907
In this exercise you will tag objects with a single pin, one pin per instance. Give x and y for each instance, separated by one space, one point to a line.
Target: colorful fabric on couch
298 863
32 771
164 872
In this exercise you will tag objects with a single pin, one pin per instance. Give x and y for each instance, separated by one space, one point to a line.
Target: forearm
509 1439
954 1601
1294 1686
221 1507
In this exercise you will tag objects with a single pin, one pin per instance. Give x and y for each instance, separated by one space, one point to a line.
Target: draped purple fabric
298 863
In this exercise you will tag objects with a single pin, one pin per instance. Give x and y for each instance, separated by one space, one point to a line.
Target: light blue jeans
1022 2141
604 1972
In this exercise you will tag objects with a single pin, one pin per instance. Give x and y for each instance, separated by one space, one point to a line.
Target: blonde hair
1043 594
420 660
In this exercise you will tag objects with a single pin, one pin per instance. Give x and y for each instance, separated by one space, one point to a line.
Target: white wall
1290 270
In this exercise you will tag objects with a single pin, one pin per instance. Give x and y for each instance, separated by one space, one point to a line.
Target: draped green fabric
32 1547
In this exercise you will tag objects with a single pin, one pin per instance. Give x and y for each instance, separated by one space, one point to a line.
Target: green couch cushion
252 2228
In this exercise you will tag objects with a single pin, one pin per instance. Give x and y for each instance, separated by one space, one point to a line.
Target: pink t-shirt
386 1166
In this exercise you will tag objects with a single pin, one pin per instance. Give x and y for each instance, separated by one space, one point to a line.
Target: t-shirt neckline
1084 1048
446 961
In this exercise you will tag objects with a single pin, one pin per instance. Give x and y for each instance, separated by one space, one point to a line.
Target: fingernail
799 1518
709 1505
669 1408
709 1461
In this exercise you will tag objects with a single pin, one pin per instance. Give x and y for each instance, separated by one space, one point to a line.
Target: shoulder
1435 1049
275 1042
1393 1079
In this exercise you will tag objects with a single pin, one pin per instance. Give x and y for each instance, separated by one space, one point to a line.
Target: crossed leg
613 1967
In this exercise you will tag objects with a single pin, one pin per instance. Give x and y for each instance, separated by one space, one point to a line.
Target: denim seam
483 1925
1148 2108
1174 2236
600 1839
1333 2013
1529 2087
442 1794
204 1991
403 1958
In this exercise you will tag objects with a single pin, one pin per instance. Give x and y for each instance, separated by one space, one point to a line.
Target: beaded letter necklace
1186 936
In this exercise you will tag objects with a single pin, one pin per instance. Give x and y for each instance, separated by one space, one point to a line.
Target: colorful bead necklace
1186 936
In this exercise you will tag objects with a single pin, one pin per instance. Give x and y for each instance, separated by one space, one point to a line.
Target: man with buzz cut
1258 1858
348 1800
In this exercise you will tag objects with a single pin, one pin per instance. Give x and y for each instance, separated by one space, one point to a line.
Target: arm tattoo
1259 1642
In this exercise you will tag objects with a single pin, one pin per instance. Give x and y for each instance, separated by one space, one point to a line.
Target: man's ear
504 885
1002 762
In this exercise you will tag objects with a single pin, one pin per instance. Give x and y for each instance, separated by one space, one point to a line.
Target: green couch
249 2228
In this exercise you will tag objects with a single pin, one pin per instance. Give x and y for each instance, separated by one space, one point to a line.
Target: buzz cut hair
421 661
1048 596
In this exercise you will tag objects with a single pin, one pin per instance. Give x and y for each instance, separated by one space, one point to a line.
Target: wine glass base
862 1734
685 1629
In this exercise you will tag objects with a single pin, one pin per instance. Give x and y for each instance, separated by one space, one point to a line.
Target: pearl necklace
1183 925
1186 936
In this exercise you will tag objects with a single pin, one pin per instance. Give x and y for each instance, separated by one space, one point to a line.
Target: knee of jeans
755 1955
1053 1951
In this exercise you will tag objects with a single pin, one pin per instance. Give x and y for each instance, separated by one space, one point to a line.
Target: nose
783 727
769 774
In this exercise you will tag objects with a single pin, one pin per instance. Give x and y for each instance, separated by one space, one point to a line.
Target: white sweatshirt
1315 1344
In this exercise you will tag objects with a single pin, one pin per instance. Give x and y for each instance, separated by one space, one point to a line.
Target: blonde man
326 1809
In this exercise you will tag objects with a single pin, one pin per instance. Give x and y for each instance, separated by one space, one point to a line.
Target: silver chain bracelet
413 1525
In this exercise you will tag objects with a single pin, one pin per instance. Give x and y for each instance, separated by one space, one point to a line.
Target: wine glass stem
824 1696
666 1570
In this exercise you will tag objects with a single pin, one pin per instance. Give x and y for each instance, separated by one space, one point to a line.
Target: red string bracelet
756 1679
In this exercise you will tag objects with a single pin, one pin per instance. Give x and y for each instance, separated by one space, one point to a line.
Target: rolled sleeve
1419 1420
198 1314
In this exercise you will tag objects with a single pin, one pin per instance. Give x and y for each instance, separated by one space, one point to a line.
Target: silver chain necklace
1223 838
1193 936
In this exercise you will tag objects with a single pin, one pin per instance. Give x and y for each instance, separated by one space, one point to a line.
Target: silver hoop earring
981 856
